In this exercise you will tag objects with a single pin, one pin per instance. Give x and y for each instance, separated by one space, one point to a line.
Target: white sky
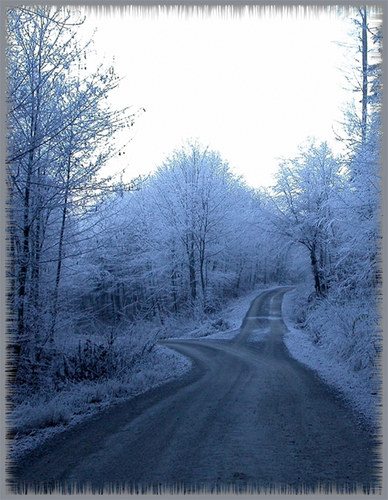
252 87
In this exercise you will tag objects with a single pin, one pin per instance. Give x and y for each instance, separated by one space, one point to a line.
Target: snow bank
357 391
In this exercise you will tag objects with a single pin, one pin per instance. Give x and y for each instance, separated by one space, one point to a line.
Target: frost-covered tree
60 131
184 242
194 192
340 227
306 192
363 136
363 78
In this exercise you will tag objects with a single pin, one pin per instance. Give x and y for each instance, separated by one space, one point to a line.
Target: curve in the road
246 416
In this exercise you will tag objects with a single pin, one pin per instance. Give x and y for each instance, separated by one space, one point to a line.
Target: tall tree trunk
25 253
202 271
364 42
26 257
320 286
173 279
60 252
173 288
192 275
37 242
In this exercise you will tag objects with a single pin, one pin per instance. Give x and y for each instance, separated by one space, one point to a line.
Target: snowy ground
356 391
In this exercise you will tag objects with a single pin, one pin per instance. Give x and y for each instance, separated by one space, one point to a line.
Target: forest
100 269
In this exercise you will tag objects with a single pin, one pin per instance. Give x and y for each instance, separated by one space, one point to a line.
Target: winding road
247 417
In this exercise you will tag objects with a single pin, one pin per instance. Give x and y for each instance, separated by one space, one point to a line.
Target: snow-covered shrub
107 390
90 360
345 327
300 304
28 417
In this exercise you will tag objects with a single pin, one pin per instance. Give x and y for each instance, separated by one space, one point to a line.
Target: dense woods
97 268
60 130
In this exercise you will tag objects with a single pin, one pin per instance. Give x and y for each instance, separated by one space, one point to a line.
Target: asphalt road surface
246 417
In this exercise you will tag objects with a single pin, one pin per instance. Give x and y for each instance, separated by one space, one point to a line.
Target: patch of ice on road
227 335
270 318
355 390
236 310
235 313
258 335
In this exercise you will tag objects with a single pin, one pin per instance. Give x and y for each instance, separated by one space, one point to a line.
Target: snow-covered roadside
355 390
84 400
228 320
